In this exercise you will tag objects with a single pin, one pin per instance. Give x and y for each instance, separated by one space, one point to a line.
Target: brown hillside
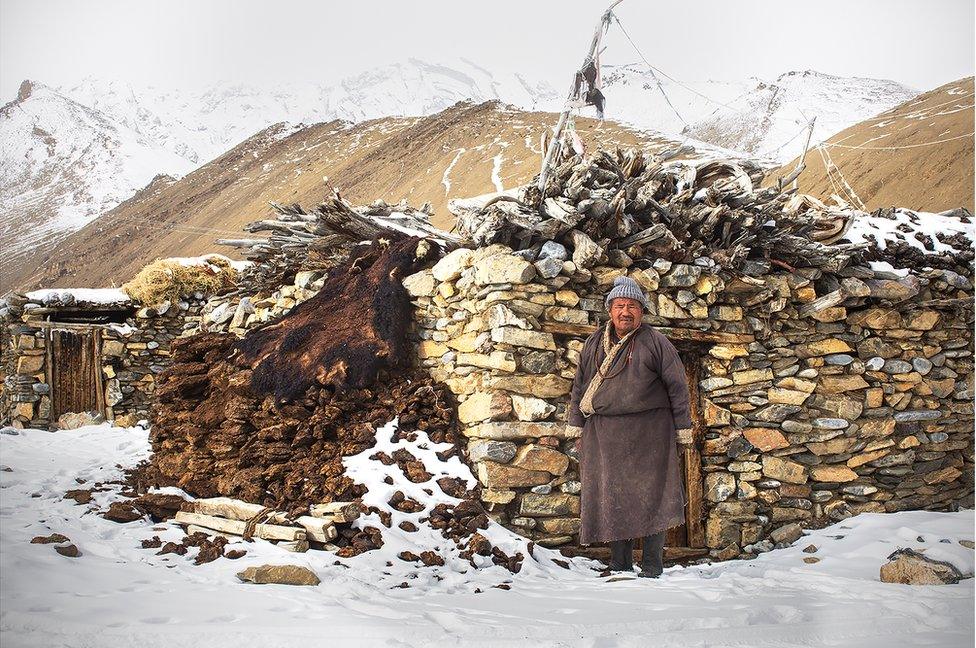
925 178
463 151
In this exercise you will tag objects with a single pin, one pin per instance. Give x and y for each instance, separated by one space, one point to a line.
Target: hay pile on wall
171 279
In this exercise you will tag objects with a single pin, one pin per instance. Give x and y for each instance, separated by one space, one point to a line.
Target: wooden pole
802 162
570 98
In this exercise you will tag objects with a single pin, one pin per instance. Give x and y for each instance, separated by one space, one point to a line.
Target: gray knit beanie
626 287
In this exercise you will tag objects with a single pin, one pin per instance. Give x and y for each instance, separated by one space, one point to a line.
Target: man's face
625 314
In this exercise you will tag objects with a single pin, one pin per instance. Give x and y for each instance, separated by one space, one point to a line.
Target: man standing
630 396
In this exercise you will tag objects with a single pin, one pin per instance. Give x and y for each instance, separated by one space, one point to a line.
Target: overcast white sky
921 43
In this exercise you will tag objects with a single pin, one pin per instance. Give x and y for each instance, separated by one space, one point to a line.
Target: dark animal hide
343 336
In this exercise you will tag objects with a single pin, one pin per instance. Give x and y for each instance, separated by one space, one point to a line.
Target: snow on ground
207 260
118 594
904 224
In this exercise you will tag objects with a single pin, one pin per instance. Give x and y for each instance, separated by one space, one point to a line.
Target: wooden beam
671 554
695 507
674 333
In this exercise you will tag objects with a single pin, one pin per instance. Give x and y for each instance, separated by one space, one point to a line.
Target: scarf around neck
612 351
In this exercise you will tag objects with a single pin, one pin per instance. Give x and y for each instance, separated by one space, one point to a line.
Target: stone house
84 350
816 396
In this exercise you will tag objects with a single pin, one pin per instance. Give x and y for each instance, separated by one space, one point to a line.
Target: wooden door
73 372
691 534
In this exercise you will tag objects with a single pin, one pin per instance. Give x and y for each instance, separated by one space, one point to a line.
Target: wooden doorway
74 371
688 540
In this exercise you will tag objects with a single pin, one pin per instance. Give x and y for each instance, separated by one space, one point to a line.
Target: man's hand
685 436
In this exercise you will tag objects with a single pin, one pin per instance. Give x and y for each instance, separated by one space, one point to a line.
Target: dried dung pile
268 418
212 435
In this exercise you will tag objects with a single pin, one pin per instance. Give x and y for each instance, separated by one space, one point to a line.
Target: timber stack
236 520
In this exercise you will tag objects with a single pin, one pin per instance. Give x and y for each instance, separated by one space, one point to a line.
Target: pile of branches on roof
657 207
321 239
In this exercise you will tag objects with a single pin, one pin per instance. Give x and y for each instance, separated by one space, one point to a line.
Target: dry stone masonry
807 414
127 355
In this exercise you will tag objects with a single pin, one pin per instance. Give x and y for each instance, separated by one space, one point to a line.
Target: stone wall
821 396
131 355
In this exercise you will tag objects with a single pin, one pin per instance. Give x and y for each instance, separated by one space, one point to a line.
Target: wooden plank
673 333
49 375
694 489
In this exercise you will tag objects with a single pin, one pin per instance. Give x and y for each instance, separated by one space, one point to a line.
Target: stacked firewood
645 206
320 239
237 520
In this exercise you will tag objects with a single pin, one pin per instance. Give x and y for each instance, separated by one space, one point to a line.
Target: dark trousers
652 554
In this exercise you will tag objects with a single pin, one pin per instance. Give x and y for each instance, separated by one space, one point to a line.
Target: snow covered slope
769 121
62 164
119 594
755 117
199 126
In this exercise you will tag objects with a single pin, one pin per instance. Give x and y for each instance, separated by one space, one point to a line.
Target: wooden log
237 527
318 529
233 509
230 537
340 512
652 233
297 546
829 300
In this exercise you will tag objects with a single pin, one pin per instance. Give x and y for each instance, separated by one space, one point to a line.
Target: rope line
829 165
896 148
650 68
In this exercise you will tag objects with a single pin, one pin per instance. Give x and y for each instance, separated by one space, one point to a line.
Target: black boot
621 555
652 556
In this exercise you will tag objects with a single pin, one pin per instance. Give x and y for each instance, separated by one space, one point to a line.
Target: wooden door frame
93 336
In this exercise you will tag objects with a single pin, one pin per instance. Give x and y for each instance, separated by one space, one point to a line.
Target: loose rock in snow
912 568
280 575
70 551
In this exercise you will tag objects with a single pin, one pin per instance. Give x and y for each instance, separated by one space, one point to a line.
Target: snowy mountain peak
62 164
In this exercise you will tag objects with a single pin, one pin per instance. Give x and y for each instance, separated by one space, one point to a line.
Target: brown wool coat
629 462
